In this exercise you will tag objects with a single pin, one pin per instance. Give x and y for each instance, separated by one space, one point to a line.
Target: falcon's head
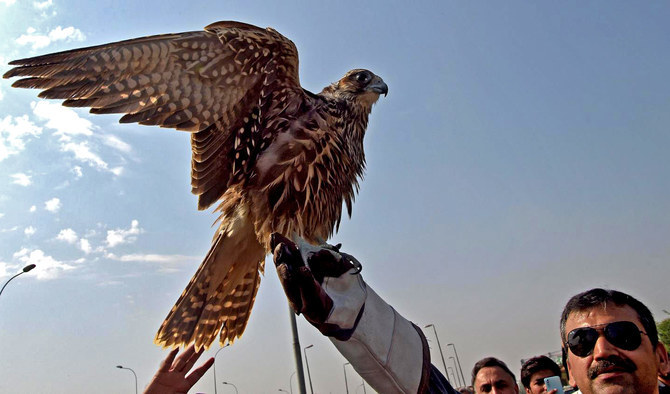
359 85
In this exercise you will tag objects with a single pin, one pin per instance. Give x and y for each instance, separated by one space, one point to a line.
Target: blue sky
521 156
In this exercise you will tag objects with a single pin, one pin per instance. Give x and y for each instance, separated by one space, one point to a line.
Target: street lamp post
23 271
439 347
290 381
230 384
459 361
346 385
453 360
134 374
214 365
451 370
296 352
309 377
284 391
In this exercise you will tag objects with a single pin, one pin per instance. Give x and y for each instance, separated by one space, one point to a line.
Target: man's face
496 381
610 369
536 385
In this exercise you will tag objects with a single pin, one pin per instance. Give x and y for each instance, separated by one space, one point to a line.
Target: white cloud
167 263
53 205
1 215
47 267
37 41
21 179
121 236
116 143
77 172
14 132
7 269
30 230
9 230
7 2
83 153
85 246
65 121
67 235
68 126
32 209
42 5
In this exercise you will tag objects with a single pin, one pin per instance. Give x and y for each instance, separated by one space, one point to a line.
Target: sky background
521 156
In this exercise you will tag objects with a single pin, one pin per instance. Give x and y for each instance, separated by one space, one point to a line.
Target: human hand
171 375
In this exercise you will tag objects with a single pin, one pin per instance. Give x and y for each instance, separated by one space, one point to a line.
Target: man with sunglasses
611 345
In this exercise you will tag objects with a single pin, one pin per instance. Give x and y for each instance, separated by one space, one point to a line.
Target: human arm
386 349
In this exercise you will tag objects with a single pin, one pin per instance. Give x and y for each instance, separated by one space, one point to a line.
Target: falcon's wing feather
216 83
186 81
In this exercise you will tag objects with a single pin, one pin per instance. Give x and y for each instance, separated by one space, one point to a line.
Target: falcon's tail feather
221 293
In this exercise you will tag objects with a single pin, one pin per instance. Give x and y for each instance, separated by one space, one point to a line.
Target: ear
516 388
568 365
664 363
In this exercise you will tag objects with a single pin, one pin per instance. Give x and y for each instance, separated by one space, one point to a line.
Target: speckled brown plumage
275 156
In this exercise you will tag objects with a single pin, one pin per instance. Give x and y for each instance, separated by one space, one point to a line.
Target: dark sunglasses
622 334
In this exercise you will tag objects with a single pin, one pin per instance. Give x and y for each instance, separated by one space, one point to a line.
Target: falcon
274 156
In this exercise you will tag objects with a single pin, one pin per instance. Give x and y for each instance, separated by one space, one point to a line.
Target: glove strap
387 350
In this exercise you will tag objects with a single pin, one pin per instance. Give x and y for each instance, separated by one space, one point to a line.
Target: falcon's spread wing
214 83
277 157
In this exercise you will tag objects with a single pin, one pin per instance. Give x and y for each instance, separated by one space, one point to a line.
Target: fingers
197 373
167 363
182 360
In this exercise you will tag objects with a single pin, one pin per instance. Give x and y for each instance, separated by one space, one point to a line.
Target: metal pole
459 361
346 385
134 374
23 271
452 374
230 384
456 369
290 381
214 365
439 347
311 390
296 353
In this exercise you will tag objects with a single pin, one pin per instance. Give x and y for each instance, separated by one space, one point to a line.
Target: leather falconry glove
325 285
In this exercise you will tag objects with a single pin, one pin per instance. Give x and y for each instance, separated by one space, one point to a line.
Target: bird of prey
276 157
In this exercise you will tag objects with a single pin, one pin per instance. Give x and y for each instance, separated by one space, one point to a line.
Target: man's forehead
601 314
545 373
492 374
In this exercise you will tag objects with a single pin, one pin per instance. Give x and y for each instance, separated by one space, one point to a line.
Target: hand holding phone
554 383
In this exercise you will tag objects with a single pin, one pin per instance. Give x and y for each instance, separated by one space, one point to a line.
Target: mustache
610 363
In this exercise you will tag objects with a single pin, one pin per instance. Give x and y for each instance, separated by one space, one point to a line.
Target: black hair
600 297
537 364
490 362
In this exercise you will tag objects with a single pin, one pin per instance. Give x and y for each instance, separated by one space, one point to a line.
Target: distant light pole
214 365
230 384
439 347
459 361
23 271
456 369
134 374
290 381
346 385
452 374
284 391
309 377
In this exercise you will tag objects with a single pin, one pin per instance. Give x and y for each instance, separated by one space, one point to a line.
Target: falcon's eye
362 77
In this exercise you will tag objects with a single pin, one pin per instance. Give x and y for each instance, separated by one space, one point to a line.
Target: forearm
387 350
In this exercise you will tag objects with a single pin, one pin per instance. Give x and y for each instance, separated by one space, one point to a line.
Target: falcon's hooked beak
378 86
